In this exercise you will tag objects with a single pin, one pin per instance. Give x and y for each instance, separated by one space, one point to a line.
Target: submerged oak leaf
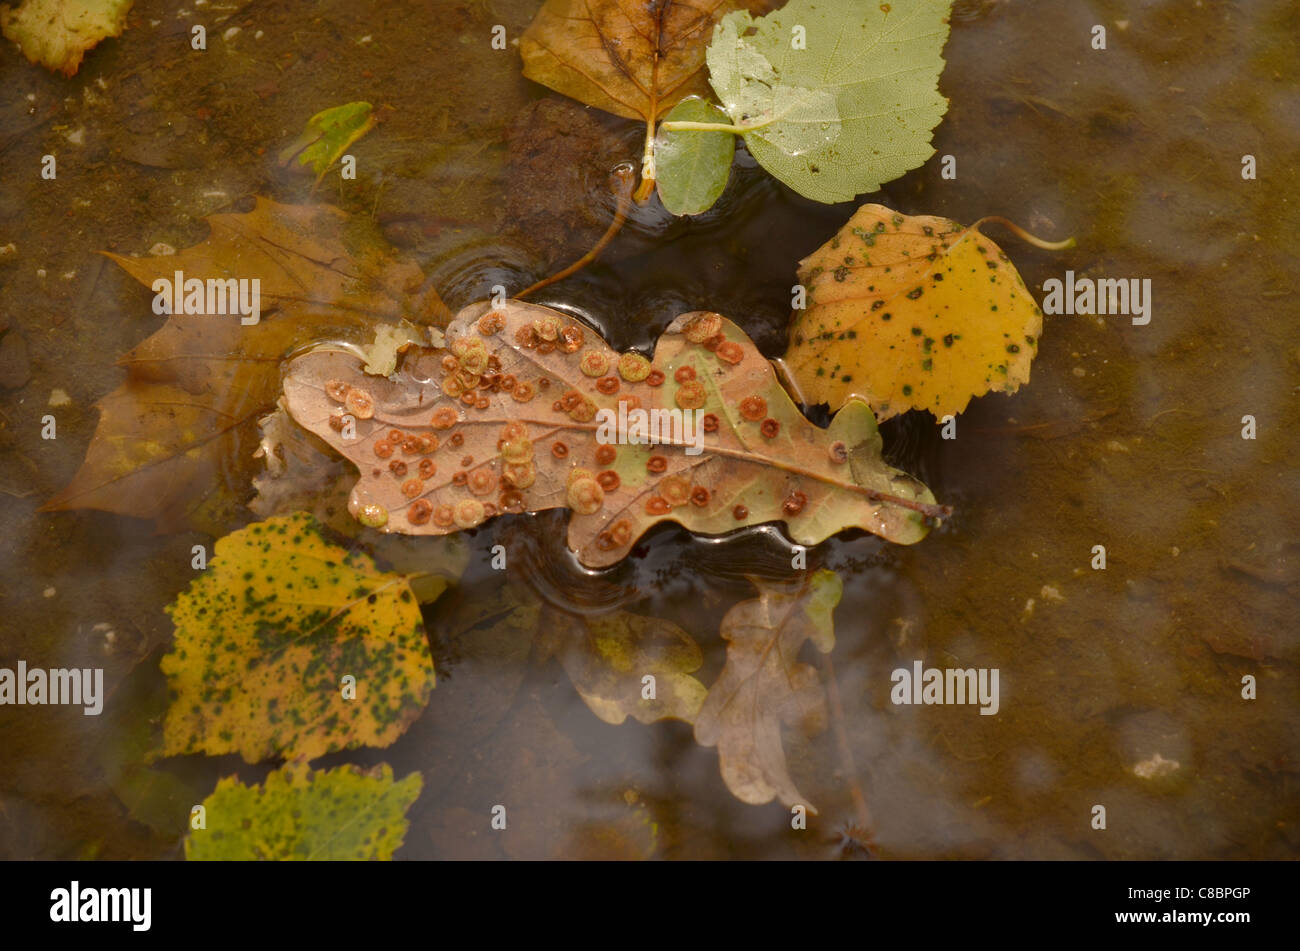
609 657
763 685
302 814
632 58
910 312
526 409
267 634
195 388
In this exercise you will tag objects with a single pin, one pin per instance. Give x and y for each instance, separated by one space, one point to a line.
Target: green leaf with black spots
847 109
342 814
693 167
267 634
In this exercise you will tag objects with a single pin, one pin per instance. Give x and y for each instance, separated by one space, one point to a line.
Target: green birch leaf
693 166
342 814
847 109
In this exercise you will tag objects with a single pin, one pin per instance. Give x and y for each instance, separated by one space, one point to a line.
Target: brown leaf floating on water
633 58
195 388
505 419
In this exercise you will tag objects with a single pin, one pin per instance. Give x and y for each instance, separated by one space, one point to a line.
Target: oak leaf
265 636
58 33
764 686
527 410
195 388
341 814
910 312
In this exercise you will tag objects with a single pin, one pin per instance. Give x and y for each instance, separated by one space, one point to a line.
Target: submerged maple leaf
911 312
195 388
508 418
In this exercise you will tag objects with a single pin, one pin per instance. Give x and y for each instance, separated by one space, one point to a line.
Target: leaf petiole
1024 235
678 125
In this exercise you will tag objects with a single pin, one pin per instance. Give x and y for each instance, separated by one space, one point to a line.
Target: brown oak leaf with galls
526 409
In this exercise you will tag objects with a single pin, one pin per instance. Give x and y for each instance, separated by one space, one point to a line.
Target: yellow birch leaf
910 312
267 634
608 657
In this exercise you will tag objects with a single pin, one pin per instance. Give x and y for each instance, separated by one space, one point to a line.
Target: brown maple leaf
633 58
195 388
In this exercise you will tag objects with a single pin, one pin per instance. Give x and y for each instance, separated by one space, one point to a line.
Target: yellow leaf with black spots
911 312
266 636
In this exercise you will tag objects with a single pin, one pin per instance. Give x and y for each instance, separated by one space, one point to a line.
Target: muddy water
1127 437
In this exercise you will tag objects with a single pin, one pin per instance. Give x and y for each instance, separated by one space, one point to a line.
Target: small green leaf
848 110
693 167
344 813
328 135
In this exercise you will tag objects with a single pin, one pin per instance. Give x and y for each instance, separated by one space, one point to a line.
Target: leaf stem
623 191
682 125
1024 235
862 812
648 171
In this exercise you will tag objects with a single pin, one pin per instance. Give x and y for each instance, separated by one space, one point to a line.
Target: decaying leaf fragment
764 686
58 33
328 135
526 410
609 657
910 312
267 634
340 814
195 388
